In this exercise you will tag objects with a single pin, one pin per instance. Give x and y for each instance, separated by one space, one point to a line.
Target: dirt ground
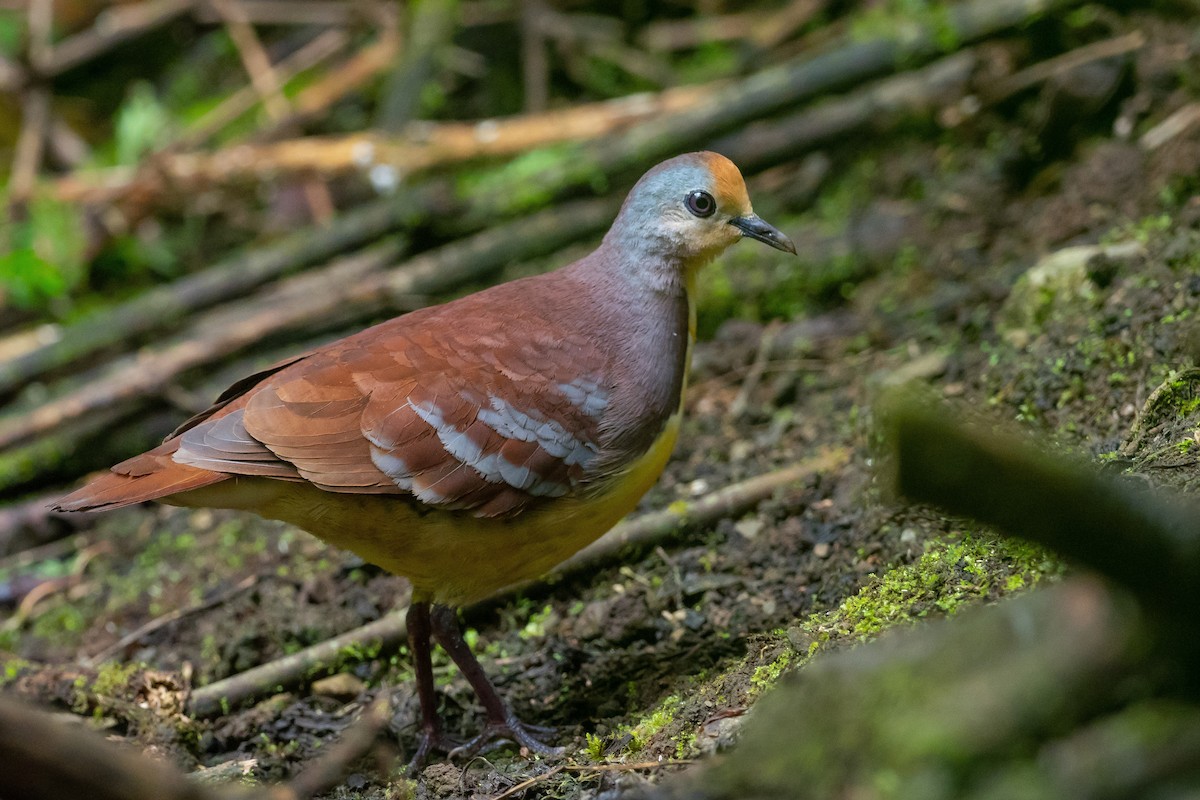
658 657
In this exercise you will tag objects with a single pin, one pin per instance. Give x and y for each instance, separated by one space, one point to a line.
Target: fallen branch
384 634
1006 87
112 27
327 771
31 523
320 49
422 147
1148 544
389 631
47 758
169 305
767 92
1175 125
138 378
356 287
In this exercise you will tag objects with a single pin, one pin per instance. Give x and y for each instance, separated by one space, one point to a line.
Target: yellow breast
450 557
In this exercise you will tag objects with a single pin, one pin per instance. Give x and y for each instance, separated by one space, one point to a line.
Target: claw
497 732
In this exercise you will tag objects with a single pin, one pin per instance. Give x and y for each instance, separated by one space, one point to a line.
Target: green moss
59 621
112 679
594 747
905 20
535 628
766 675
13 668
685 745
655 721
950 574
529 181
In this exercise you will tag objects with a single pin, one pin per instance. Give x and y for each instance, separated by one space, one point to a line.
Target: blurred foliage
41 256
12 32
143 124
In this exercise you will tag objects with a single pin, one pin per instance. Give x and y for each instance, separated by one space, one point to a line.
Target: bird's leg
501 722
432 737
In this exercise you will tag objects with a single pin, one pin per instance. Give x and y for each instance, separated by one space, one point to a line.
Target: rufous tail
149 476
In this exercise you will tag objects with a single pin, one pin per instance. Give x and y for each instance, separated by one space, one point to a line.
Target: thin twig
419 148
254 57
267 83
27 158
1044 70
758 368
325 772
589 769
317 51
166 619
112 27
1173 126
530 782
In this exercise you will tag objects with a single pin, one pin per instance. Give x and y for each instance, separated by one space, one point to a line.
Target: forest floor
916 259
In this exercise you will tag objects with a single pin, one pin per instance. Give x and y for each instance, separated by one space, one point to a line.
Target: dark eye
701 204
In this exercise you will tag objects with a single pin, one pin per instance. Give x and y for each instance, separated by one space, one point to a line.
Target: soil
659 656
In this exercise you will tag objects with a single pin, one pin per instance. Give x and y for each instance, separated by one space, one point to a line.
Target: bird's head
687 210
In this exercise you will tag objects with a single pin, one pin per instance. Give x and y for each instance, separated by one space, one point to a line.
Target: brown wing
472 411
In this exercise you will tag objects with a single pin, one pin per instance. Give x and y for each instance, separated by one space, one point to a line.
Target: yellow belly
450 557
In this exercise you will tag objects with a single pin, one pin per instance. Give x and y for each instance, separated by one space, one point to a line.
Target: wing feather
492 417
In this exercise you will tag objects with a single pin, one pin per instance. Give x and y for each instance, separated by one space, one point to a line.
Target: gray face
657 220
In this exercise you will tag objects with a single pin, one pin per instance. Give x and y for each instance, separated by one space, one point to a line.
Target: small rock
719 731
589 623
740 450
822 549
749 527
800 639
343 686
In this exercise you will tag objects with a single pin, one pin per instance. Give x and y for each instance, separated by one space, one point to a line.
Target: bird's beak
756 228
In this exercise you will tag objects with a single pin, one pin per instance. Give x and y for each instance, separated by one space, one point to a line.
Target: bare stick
267 83
113 27
1147 543
169 305
390 631
31 143
422 147
254 58
384 634
320 49
46 759
1044 70
325 772
1173 126
142 631
354 287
